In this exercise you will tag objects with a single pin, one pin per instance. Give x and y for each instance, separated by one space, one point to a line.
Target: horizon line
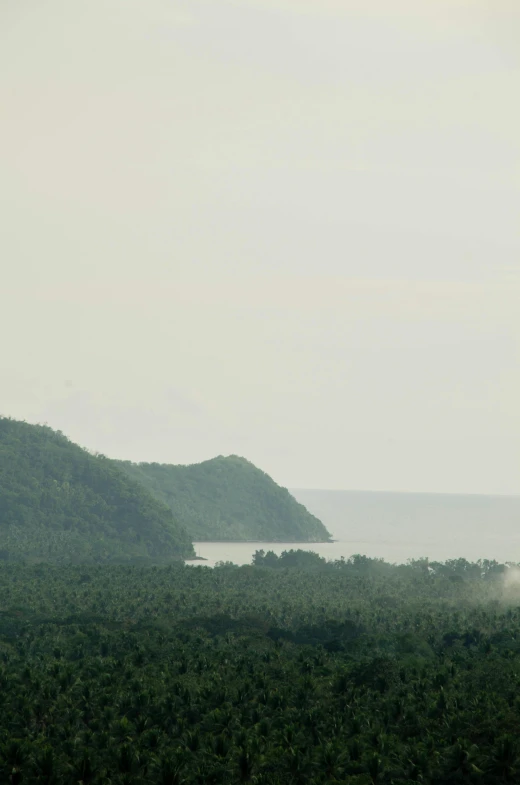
411 493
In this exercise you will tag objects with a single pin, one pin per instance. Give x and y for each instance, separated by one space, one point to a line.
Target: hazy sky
287 229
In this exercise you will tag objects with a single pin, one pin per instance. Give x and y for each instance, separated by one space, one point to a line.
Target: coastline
266 542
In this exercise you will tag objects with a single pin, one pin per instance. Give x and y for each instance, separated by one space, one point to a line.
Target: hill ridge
60 503
228 498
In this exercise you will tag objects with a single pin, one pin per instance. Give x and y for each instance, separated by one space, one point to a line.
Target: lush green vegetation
60 504
229 499
352 672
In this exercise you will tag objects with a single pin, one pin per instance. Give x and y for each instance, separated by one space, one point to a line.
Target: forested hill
228 498
59 503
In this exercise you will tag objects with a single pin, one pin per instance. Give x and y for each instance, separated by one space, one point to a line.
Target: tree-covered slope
229 499
59 503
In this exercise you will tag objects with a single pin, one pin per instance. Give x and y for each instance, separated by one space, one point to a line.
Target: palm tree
505 760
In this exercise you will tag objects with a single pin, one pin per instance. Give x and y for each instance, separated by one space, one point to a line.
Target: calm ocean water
397 527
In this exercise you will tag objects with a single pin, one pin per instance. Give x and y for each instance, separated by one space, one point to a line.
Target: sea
395 527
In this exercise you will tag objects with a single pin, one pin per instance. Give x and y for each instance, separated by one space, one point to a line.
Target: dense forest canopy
58 503
228 498
355 672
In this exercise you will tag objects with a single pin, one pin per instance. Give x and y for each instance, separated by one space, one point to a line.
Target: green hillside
59 503
229 499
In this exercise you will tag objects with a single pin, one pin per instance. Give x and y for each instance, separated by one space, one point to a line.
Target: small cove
396 527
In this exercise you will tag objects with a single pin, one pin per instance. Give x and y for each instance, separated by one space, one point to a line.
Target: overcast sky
287 229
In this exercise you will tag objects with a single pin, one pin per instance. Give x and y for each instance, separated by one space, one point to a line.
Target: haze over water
397 527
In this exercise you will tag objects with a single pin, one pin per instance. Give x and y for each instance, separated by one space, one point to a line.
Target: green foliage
292 558
229 499
355 672
60 504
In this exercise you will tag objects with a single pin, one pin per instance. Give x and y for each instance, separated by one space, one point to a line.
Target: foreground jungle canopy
354 672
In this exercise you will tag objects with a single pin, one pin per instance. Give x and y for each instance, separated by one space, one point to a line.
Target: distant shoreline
456 494
265 542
